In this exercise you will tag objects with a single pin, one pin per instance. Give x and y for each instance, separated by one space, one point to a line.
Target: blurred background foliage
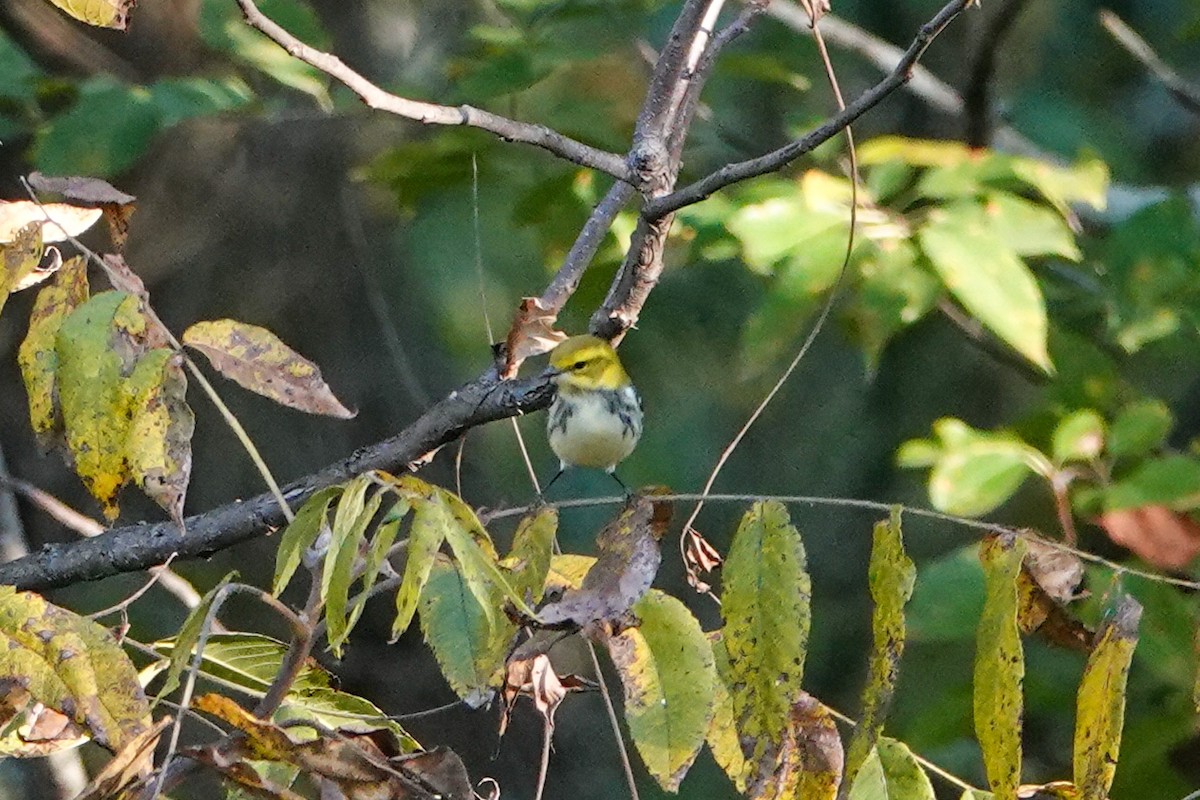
378 248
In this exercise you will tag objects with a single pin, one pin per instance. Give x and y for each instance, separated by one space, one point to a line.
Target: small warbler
596 418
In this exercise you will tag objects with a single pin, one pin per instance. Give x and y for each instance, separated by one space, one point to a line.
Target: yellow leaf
1100 703
1000 665
891 576
158 449
72 665
101 13
37 355
18 259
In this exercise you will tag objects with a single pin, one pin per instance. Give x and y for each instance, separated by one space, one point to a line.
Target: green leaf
891 577
1139 429
245 662
381 543
1172 481
469 652
72 665
666 666
528 562
975 471
349 530
343 712
103 134
893 294
38 356
722 736
1028 228
424 540
479 564
188 636
891 772
300 534
766 610
1079 436
97 345
774 229
1000 665
985 274
1100 709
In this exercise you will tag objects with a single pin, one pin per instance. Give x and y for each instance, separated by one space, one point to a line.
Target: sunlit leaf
1078 437
19 259
189 634
985 274
354 513
891 576
256 359
1000 665
38 355
666 666
1028 228
300 534
890 772
58 221
158 449
765 606
377 553
425 537
245 662
72 665
528 562
1100 702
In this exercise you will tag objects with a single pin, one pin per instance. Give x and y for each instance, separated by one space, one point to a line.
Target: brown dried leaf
128 767
81 190
1048 581
532 334
58 221
536 679
30 729
699 558
1167 539
806 762
256 358
625 568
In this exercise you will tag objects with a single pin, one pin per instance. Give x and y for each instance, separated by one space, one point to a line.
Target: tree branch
431 113
977 97
1186 94
140 546
740 171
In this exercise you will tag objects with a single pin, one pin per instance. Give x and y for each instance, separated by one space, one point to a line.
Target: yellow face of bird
586 363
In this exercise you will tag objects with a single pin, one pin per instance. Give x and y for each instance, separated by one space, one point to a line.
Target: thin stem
247 443
614 722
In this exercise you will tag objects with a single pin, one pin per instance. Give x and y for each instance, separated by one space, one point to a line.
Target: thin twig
977 98
924 762
431 113
1184 93
544 766
52 506
871 505
742 170
128 601
613 721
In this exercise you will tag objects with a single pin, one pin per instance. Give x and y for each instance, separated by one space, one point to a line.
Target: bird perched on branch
596 418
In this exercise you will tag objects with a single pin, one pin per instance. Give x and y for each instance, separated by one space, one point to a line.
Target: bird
595 420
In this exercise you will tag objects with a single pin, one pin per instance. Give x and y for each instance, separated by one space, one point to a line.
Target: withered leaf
1048 581
58 221
625 568
29 728
699 558
256 359
532 333
806 762
85 191
133 763
19 259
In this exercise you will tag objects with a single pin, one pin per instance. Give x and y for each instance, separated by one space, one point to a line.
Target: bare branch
978 95
431 113
1185 93
733 173
141 546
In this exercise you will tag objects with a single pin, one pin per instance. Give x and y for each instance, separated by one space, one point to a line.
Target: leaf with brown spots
256 359
71 664
37 355
19 260
805 762
116 205
158 449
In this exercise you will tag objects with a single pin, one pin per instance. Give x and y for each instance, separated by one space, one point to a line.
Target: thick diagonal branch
432 113
138 547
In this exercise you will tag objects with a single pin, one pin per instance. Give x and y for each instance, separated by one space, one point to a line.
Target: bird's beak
550 373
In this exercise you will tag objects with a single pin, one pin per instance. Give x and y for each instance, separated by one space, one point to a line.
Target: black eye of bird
579 365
